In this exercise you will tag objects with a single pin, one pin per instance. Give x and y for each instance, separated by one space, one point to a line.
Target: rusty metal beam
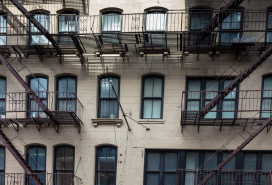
238 149
243 75
30 17
19 157
29 90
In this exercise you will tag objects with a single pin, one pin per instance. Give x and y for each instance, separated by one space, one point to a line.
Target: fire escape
198 117
17 101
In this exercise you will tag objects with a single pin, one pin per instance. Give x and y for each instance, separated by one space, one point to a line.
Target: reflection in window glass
68 23
43 19
3 30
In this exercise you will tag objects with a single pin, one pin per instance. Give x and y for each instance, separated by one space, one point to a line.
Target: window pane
199 20
44 21
267 87
231 95
153 161
148 87
266 105
106 88
68 23
152 179
109 109
2 88
268 37
233 21
2 158
266 161
170 161
31 182
170 179
63 178
250 161
194 85
62 87
112 22
228 37
211 88
106 159
156 113
157 90
192 160
210 160
155 21
228 106
36 158
212 114
147 112
64 158
231 164
106 178
193 105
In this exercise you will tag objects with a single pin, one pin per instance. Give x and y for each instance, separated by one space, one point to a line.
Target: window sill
107 121
151 121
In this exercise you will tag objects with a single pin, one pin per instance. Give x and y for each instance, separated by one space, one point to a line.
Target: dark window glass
266 97
198 20
66 95
231 28
152 97
108 102
39 86
3 30
43 19
269 26
64 165
68 23
2 165
209 89
106 165
36 158
161 165
3 98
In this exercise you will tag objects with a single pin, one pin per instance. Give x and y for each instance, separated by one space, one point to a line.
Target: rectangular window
66 95
198 20
43 19
201 92
161 168
152 97
155 21
108 106
106 165
231 28
3 98
266 108
3 30
67 23
2 165
269 27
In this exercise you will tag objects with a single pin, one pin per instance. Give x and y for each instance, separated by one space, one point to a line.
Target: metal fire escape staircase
215 22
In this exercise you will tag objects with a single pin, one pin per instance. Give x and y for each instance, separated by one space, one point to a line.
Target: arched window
105 168
231 28
152 97
199 18
3 29
64 163
66 94
111 21
156 19
3 90
269 25
2 165
39 85
108 106
43 18
67 24
36 158
266 107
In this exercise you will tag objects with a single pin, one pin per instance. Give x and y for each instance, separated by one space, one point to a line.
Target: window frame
99 95
268 30
152 98
30 25
219 109
4 99
237 10
28 104
111 11
3 171
96 162
265 98
57 92
155 10
27 160
3 34
199 10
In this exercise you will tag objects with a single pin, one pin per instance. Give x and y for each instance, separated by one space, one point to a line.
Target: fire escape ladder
39 27
5 140
79 46
29 90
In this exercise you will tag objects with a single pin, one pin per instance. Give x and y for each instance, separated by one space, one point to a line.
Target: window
152 97
269 26
2 98
105 170
108 106
201 92
266 97
66 95
233 22
43 19
68 23
39 85
2 165
161 168
3 30
36 158
199 18
64 163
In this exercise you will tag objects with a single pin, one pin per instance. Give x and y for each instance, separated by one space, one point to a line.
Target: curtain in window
3 30
40 39
108 103
152 97
111 22
68 23
155 21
